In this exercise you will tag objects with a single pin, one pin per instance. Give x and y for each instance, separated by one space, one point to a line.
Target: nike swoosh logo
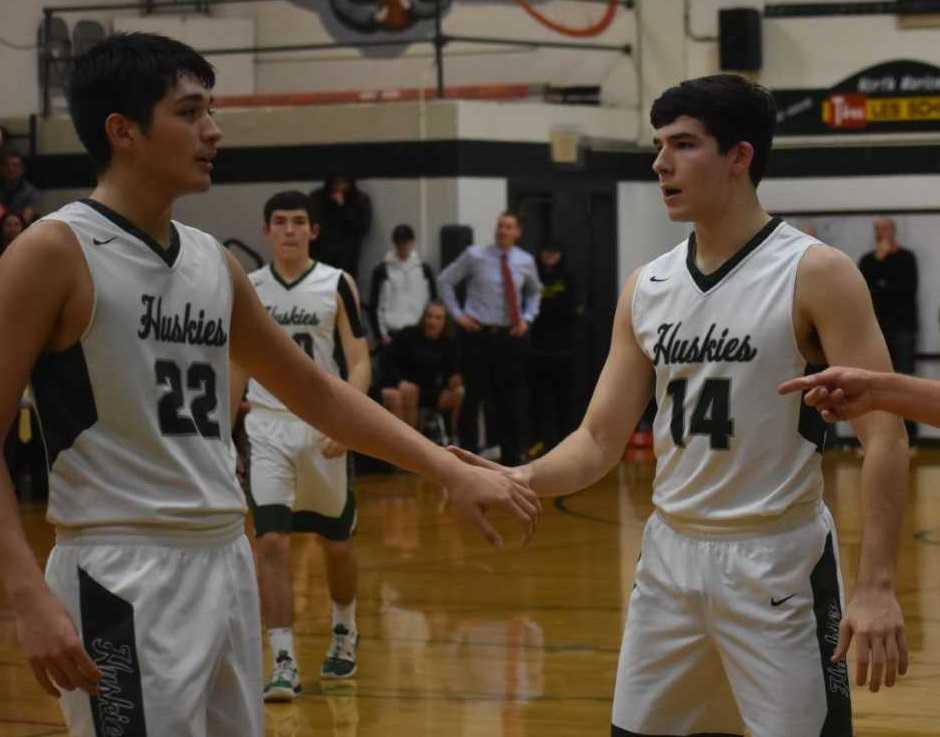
653 278
778 602
101 243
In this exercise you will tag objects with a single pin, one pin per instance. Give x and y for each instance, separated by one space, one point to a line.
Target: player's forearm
578 461
884 489
908 396
19 570
347 415
360 375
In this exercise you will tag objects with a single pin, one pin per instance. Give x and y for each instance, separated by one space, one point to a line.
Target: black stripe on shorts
108 635
616 731
280 518
828 610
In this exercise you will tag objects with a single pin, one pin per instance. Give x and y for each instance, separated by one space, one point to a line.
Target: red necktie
512 301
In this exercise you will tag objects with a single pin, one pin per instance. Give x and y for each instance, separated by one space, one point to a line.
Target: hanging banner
892 97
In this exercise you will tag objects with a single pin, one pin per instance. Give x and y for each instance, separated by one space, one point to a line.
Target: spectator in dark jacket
424 359
551 367
345 216
891 274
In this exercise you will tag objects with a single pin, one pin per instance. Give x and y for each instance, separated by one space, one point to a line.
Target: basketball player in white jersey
735 622
147 621
298 475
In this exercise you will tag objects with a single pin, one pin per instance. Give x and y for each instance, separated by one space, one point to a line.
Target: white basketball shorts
174 626
728 635
293 486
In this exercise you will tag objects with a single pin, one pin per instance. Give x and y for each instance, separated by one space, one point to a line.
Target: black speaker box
739 39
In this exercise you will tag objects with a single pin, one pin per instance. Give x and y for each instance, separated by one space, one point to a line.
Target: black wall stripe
64 399
827 607
811 425
108 635
804 10
432 159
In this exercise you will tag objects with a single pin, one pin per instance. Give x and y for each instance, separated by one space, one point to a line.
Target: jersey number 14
711 416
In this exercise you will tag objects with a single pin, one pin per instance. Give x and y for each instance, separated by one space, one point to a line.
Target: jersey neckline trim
290 285
167 255
705 282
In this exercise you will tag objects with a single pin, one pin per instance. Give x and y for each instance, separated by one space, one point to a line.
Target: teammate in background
841 393
737 587
298 475
131 323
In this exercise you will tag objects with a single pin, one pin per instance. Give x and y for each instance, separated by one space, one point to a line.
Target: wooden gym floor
461 639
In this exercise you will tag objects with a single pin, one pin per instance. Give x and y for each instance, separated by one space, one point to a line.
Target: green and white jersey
729 450
135 415
306 308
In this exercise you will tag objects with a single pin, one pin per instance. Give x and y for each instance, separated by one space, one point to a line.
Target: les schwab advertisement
895 96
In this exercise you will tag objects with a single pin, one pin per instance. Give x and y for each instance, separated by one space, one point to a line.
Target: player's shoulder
188 233
260 275
821 260
663 266
49 237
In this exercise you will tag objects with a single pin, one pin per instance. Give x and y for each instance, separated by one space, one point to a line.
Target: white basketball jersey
135 416
729 449
306 309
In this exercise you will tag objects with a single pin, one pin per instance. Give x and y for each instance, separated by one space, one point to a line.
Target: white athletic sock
282 640
345 614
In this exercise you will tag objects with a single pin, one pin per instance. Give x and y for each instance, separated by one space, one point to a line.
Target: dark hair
402 234
732 109
448 331
6 216
289 200
128 73
510 213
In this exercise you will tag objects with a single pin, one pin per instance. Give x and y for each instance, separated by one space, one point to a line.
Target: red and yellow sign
849 111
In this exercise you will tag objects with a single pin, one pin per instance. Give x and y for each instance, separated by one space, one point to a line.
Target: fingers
473 459
487 529
816 396
69 670
878 658
902 652
891 660
40 674
59 675
527 499
862 658
845 639
89 674
799 384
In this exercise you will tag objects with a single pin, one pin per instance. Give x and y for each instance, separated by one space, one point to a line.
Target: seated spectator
424 358
402 284
345 217
11 225
16 193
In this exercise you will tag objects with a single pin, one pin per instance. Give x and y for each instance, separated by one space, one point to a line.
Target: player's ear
314 231
121 132
742 154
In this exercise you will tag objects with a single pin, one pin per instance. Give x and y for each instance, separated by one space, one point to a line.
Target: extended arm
344 413
620 397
